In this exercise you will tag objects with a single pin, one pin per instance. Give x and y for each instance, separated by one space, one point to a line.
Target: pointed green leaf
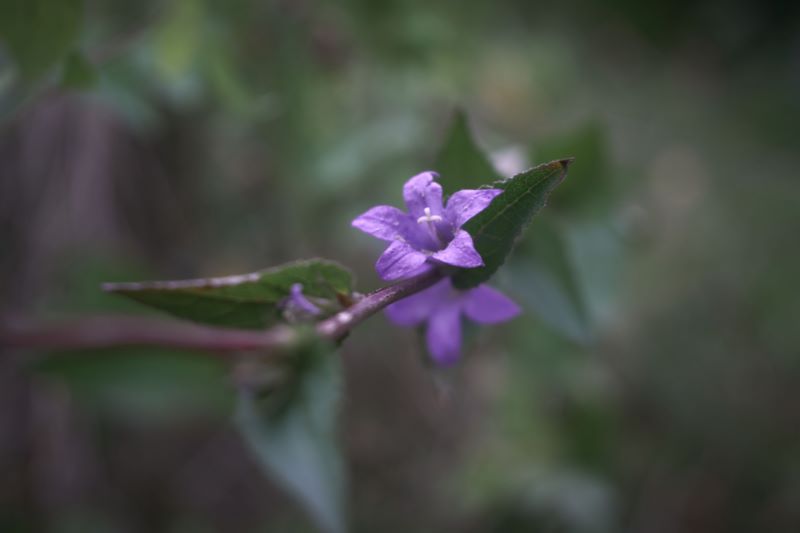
495 229
292 432
245 301
461 164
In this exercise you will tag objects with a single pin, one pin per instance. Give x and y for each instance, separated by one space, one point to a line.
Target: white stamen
428 218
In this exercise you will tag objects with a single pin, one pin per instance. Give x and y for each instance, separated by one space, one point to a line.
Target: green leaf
39 33
461 164
544 278
78 73
495 229
292 432
244 301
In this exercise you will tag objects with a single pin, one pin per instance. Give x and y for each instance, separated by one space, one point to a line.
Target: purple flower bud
429 233
441 306
297 307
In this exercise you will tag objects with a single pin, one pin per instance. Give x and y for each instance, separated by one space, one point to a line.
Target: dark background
653 383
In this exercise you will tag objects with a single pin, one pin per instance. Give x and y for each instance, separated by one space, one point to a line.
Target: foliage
290 424
460 163
552 287
291 429
246 300
496 229
208 137
40 33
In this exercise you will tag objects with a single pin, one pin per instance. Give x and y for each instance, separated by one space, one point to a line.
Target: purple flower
442 305
296 307
429 233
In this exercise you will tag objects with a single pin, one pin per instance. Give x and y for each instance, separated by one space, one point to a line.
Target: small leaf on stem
245 301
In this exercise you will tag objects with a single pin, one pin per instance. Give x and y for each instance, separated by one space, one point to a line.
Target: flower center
429 220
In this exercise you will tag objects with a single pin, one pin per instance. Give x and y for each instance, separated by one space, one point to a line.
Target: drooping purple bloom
429 233
441 307
297 307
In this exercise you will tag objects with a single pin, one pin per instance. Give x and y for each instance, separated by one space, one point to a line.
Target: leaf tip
566 162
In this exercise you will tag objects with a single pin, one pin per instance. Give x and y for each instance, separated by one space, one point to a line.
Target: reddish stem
115 331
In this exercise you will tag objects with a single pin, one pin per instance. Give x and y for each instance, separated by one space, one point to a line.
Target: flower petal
443 335
384 222
298 300
465 204
460 252
413 310
400 261
420 192
488 306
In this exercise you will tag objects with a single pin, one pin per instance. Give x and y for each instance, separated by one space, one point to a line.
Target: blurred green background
653 383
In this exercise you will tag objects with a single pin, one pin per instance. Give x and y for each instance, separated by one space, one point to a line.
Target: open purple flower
442 305
429 233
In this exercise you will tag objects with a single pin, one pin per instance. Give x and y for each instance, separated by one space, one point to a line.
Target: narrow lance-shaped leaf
292 432
461 164
495 229
247 300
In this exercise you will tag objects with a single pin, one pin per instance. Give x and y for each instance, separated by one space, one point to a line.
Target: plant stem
341 323
118 331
